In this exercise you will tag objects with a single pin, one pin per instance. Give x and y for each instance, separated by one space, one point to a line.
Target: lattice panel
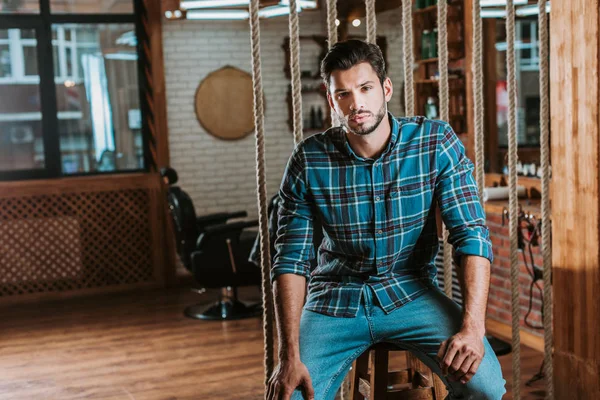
63 242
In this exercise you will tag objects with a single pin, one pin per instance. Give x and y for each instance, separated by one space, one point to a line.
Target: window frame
42 24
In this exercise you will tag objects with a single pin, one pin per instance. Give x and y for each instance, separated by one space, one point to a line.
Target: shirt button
375 164
379 232
377 198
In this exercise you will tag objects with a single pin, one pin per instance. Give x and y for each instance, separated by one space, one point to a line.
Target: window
527 74
21 144
70 98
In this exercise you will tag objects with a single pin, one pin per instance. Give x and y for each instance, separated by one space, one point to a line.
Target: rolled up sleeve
294 243
457 195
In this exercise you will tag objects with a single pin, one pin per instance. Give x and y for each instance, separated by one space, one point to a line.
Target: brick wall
499 303
220 175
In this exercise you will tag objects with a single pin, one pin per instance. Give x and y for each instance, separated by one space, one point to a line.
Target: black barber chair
216 252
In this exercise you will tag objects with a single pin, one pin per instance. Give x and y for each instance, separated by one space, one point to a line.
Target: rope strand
371 21
295 71
265 255
478 97
444 116
513 217
409 96
545 165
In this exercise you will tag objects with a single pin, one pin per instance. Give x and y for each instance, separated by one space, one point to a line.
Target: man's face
358 98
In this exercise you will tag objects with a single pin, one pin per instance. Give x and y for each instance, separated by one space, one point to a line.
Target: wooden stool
371 378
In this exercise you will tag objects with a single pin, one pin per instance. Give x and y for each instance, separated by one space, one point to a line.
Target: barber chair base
224 310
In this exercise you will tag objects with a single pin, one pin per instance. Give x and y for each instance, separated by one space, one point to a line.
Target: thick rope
443 59
512 182
332 34
371 21
331 17
409 95
478 97
295 72
265 255
545 163
444 97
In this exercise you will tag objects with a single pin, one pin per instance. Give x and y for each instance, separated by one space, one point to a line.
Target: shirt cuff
288 269
474 247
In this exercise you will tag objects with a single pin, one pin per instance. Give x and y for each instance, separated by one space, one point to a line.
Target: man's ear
330 101
388 89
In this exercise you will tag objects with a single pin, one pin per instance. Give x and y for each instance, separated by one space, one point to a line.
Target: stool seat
372 379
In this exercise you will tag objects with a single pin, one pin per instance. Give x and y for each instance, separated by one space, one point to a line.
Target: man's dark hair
345 55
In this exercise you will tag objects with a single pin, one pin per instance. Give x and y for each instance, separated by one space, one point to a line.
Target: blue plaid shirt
378 215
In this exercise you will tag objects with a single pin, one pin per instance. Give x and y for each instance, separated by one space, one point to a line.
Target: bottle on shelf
420 4
433 47
431 108
313 118
425 44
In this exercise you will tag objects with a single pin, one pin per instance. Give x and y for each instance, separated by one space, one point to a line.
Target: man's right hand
288 375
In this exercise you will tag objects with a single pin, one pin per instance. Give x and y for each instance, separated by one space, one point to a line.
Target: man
373 183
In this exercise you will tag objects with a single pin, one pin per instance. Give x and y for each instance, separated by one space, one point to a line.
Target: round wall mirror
224 103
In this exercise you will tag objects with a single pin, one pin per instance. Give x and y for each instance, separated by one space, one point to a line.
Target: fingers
459 359
286 393
309 391
472 370
448 358
442 352
459 373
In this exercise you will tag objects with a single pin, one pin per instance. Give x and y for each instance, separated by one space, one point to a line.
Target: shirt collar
395 126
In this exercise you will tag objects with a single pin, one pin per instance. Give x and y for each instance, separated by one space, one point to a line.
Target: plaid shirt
378 215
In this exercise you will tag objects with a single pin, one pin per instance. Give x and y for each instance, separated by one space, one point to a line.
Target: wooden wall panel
575 96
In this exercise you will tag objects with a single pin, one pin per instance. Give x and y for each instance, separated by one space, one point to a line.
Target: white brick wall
220 175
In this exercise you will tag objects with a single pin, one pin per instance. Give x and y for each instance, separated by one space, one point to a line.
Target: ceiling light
214 15
300 3
195 4
273 11
169 14
120 56
500 3
531 10
177 13
337 22
356 22
495 13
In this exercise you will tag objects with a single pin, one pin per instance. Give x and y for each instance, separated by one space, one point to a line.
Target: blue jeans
329 345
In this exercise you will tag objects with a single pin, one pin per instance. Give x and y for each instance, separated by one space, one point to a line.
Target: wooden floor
140 346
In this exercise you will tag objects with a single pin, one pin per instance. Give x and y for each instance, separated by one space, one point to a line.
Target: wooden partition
81 235
575 96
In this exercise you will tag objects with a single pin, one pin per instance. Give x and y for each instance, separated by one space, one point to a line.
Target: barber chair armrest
231 230
218 218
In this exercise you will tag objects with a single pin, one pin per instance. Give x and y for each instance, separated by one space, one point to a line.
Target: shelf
434 81
428 61
430 9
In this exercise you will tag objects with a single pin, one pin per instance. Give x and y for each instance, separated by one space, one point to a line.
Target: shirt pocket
415 197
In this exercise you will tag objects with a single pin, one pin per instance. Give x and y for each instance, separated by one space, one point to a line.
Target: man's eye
342 95
367 87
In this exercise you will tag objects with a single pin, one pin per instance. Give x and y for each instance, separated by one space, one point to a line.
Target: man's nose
357 103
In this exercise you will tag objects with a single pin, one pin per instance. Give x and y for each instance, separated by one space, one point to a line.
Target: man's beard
364 130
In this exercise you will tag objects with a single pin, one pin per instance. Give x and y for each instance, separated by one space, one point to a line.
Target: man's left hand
461 354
